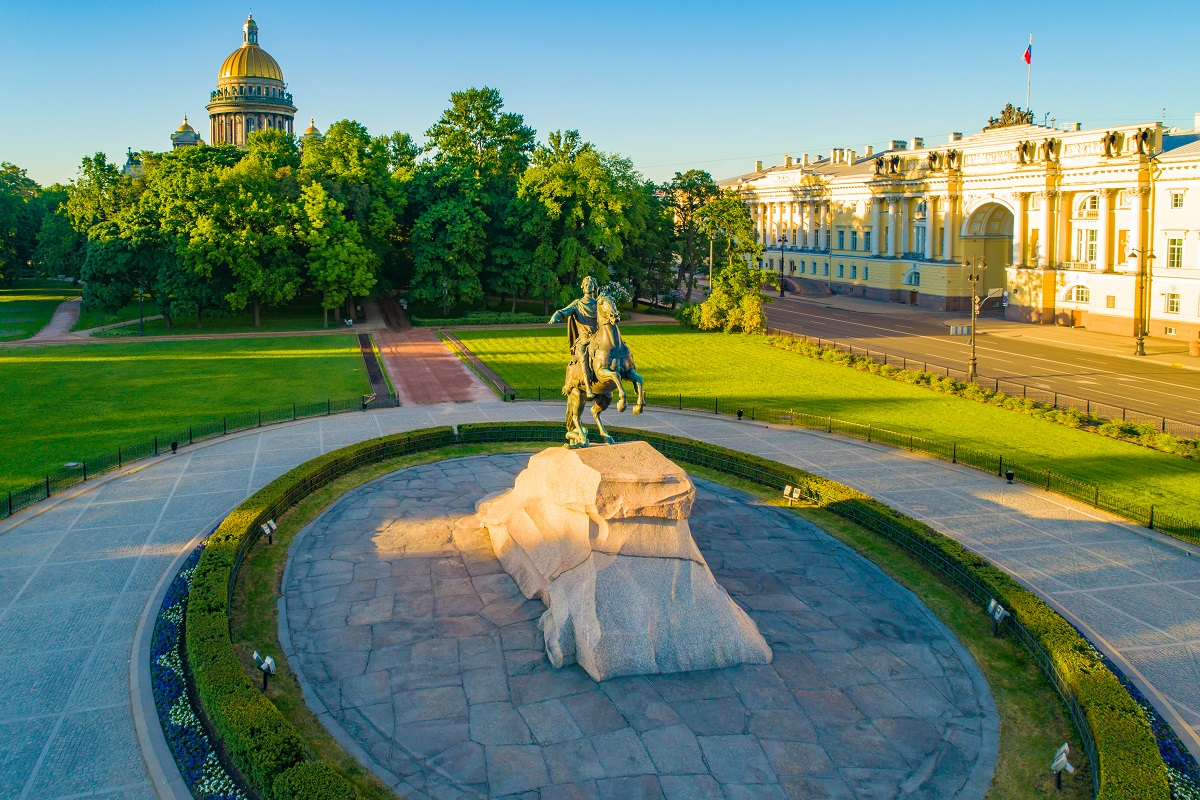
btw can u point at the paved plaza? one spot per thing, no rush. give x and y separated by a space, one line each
76 574
416 642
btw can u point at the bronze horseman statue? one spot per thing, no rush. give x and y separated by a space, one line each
600 361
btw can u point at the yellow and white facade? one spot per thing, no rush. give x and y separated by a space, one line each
1097 228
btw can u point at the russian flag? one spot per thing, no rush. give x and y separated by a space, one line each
1028 57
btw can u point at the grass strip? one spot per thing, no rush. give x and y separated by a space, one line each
747 371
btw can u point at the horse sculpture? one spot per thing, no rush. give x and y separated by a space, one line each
612 365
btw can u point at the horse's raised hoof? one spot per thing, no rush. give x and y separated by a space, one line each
609 440
621 405
637 409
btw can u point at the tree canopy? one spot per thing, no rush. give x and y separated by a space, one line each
481 210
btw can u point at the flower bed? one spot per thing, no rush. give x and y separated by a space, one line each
193 752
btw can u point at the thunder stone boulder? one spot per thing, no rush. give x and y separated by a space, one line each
601 536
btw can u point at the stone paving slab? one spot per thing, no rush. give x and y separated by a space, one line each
406 629
1166 667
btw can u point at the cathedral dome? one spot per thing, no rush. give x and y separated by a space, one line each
250 60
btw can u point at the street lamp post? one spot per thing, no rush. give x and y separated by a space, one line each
1141 313
783 240
141 317
976 266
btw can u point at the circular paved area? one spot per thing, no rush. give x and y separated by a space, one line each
420 648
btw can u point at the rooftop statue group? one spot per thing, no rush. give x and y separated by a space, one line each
600 362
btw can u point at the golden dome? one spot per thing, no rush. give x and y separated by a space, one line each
185 128
311 130
250 61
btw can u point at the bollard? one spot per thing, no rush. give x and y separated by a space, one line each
189 434
118 456
155 445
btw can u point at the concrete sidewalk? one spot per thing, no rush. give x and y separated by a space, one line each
77 573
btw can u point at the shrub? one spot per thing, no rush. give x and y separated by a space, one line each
313 781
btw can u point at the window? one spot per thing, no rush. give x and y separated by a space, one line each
1176 199
771 264
1090 207
1169 330
1110 301
792 265
1081 294
1172 302
853 240
854 271
841 270
866 273
919 240
841 240
867 241
1085 245
1174 253
825 271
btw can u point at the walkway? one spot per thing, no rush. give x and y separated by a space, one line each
425 371
59 326
76 578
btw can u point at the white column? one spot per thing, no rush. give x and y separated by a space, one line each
893 241
948 223
1020 226
1062 227
1045 240
823 212
1136 231
905 224
876 228
929 227
1104 258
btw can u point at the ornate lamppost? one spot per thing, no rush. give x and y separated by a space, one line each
783 240
976 266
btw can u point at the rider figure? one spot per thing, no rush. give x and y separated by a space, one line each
585 313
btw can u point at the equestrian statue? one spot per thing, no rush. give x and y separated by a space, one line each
600 361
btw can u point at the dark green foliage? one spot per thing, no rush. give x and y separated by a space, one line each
313 781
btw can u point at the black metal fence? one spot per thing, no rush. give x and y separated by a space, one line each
1187 529
1096 408
76 472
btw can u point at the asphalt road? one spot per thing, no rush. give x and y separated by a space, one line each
1008 352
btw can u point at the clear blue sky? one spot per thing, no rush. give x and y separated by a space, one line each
670 84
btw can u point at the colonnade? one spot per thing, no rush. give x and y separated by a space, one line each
1055 219
809 224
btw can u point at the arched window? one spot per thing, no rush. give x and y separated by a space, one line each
1089 207
912 278
1078 294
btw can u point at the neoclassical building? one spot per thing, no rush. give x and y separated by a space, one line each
250 95
1097 228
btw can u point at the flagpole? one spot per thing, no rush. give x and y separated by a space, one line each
1028 74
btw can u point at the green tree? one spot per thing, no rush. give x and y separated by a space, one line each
20 218
583 211
689 192
338 265
726 221
449 238
735 304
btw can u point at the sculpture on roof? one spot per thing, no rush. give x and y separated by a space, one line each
1010 115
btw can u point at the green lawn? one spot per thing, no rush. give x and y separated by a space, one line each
66 403
25 309
94 318
301 314
748 371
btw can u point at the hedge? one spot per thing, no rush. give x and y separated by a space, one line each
1128 764
481 318
260 744
268 752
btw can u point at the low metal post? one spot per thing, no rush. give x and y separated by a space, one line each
1150 523
189 434
1096 497
293 412
539 394
328 406
954 452
681 402
831 424
155 445
868 433
84 469
1056 399
47 486
10 504
224 425
716 406
260 418
910 446
1047 480
1000 468
119 457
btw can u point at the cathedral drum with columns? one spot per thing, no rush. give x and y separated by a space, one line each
251 94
